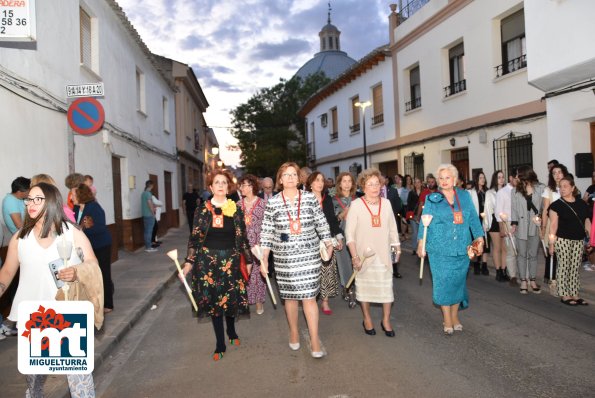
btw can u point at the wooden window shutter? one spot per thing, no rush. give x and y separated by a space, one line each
377 100
85 37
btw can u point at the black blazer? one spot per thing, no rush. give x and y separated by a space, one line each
329 213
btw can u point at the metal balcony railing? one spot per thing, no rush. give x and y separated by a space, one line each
355 128
413 104
378 119
454 88
511 66
334 135
407 10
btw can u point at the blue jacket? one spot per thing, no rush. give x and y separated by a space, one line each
98 234
444 236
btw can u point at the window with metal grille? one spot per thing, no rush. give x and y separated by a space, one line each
456 64
514 49
414 165
85 38
355 115
334 125
512 151
414 90
377 104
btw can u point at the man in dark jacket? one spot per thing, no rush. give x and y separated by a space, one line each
392 195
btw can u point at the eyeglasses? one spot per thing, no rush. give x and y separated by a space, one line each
373 184
292 175
246 184
36 200
271 187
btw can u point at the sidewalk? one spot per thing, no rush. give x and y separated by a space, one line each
587 278
139 280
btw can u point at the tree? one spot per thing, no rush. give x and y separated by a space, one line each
268 128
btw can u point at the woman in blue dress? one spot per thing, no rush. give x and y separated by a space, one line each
455 224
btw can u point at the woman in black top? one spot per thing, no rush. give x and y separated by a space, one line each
412 205
481 187
217 240
329 276
569 222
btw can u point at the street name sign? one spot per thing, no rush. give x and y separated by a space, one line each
85 90
85 115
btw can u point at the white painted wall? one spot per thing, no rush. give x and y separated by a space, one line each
36 138
341 99
478 25
560 46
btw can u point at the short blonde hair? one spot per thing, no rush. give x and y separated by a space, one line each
450 168
365 175
36 179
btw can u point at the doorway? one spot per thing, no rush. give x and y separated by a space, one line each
460 159
117 185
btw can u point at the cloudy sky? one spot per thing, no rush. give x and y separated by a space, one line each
239 47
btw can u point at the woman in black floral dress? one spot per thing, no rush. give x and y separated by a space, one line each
218 237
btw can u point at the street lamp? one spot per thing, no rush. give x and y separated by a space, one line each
363 106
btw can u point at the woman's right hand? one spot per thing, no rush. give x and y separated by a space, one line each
264 268
356 263
421 253
187 268
551 249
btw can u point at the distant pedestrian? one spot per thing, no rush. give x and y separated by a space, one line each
13 207
158 212
490 224
148 210
503 216
72 181
454 226
91 217
214 247
89 182
190 199
411 214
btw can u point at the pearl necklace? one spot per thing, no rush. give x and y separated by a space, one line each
370 202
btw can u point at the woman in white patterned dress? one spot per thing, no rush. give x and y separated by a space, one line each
292 227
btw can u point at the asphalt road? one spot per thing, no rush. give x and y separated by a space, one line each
512 345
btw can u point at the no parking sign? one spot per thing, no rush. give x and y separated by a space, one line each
86 116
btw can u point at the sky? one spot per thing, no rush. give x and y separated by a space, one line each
239 47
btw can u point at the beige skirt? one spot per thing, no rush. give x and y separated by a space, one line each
374 283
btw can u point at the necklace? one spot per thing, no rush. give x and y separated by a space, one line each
295 226
248 214
375 217
370 202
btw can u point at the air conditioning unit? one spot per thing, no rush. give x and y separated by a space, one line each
324 119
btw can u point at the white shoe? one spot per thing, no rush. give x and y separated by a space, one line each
151 250
260 311
294 346
317 354
458 327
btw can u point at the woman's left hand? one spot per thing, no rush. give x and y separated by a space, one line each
67 274
339 244
329 250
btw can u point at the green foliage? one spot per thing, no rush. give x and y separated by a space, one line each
268 128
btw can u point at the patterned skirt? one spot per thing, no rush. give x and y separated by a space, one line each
297 269
217 283
570 256
256 285
329 278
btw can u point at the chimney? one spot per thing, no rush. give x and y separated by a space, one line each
392 23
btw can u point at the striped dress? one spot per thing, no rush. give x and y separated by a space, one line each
297 257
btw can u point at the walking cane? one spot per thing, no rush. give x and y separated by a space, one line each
257 251
173 254
426 219
552 239
367 254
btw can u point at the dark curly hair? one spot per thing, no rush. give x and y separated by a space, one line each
84 194
221 172
250 179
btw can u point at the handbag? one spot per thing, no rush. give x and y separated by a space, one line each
244 268
323 253
475 249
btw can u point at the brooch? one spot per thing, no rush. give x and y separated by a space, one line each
435 197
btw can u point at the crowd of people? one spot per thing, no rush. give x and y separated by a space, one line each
319 240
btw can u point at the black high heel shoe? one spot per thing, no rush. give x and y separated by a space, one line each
388 333
371 332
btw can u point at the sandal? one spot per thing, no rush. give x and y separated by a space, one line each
571 302
537 288
523 289
581 301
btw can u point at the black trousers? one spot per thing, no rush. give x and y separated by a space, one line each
219 332
104 257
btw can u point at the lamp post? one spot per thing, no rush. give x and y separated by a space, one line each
363 106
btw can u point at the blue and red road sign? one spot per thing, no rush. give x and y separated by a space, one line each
86 116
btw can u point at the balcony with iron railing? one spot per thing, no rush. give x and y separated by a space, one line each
511 66
406 11
334 136
355 128
377 119
413 104
455 88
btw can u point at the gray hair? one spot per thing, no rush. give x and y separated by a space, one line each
450 168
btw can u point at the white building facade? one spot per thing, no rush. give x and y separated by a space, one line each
335 125
561 63
88 42
460 68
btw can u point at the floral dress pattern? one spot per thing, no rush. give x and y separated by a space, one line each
256 284
217 283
